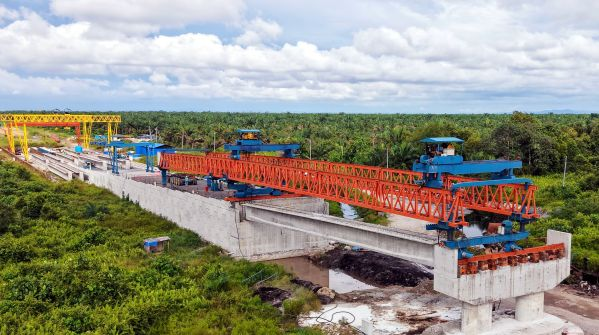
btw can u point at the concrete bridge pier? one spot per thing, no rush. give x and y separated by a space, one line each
526 282
530 307
476 318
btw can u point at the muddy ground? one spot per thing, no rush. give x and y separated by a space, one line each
374 268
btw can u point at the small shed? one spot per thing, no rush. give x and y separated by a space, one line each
156 244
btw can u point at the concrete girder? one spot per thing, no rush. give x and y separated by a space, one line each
394 242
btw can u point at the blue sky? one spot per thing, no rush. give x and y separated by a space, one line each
372 56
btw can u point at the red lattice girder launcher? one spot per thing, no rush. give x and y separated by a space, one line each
392 197
501 199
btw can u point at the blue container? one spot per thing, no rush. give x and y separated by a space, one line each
79 149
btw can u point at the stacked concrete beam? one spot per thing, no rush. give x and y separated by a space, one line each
60 171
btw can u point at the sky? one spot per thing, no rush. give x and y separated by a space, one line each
369 56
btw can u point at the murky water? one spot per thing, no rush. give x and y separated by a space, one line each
304 269
349 212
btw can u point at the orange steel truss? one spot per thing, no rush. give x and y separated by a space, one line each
391 197
500 199
386 190
492 261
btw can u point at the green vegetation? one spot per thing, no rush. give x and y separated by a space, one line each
542 142
368 215
71 262
41 137
573 208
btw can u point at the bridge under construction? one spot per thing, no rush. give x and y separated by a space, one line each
275 207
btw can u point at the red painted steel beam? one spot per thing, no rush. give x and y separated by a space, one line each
499 199
392 197
399 196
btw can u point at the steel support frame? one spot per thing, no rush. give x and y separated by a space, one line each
498 199
12 121
392 197
386 190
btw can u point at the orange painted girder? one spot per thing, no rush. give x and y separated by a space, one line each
499 199
391 197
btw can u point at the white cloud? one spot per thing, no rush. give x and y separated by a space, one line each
144 16
7 15
12 84
259 31
461 49
159 79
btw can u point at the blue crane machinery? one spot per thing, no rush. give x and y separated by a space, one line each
115 155
250 141
441 159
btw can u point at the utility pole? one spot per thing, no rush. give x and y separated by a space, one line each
565 167
214 142
310 142
387 157
342 153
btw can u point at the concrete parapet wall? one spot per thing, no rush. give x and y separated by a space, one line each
216 221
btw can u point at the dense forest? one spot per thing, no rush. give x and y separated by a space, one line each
72 262
541 141
544 143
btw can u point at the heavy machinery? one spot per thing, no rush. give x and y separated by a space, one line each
440 162
13 122
440 189
150 149
250 141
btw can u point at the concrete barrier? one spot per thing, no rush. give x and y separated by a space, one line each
216 221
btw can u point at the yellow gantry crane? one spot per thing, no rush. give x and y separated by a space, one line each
13 122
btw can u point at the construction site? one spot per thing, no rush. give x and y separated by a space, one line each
260 202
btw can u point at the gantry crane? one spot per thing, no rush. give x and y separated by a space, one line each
12 122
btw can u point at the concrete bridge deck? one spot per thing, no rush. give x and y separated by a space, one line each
395 242
261 230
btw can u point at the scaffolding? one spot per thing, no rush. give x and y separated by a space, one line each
83 122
